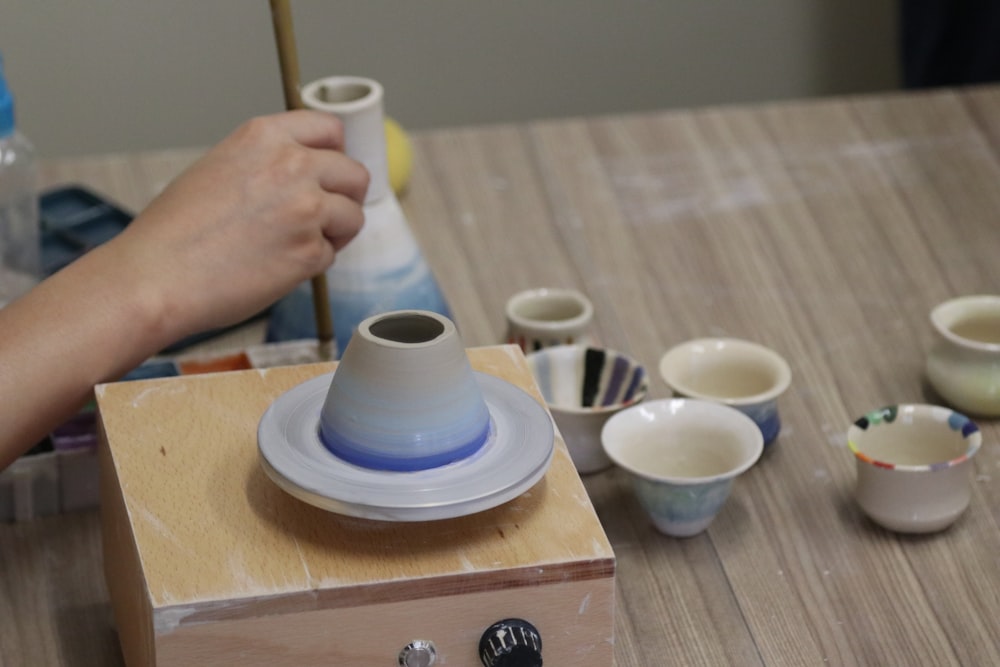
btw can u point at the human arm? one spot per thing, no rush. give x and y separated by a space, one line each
260 212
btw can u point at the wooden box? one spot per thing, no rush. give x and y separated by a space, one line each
209 563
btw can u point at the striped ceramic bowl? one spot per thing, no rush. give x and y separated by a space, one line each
583 386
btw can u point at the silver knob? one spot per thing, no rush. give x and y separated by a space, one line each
418 653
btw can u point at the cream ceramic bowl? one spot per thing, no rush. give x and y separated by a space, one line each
738 373
682 456
913 465
963 366
583 387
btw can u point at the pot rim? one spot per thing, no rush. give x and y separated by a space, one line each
639 393
959 423
583 318
675 355
668 408
314 94
944 316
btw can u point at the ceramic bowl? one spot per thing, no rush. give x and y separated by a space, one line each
404 396
734 372
682 456
913 466
963 365
582 387
548 316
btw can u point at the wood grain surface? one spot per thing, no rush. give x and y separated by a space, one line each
825 229
204 553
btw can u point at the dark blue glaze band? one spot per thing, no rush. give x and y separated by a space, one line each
770 428
359 456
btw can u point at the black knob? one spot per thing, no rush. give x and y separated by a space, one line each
512 642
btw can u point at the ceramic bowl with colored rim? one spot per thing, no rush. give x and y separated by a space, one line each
913 464
738 373
682 456
582 387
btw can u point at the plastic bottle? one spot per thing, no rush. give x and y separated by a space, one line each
20 248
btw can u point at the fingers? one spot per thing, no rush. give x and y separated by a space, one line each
342 220
314 129
337 173
340 174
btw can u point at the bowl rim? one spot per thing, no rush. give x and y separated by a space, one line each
682 350
943 316
642 390
887 415
746 424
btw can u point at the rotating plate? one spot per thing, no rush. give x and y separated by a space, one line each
516 455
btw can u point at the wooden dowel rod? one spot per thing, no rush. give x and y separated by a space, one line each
288 61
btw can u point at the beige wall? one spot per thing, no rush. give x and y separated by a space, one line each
110 75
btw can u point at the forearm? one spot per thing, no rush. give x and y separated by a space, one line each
262 211
90 323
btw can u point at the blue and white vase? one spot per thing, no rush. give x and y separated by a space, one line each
382 269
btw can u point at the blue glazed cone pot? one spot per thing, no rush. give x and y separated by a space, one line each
404 396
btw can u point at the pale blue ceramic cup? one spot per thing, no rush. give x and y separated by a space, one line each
682 456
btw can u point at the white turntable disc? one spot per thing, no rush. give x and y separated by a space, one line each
516 455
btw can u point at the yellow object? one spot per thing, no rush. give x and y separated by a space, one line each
400 156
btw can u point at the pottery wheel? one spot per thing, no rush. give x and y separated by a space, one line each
515 456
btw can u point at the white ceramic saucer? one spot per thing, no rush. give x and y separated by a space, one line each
516 455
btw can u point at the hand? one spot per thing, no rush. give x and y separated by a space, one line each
265 209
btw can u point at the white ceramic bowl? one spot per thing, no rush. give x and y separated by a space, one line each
682 456
738 373
404 396
582 387
963 366
913 466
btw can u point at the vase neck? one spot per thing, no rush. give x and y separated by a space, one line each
357 101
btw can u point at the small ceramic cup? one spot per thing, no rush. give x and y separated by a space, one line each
682 456
548 316
963 365
583 386
913 466
404 396
734 372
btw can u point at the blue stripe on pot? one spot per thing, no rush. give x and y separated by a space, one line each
638 381
619 369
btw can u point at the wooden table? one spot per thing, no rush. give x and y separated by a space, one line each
824 229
